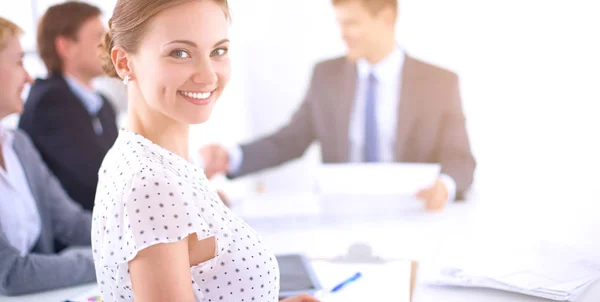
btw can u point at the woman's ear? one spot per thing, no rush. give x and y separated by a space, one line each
120 60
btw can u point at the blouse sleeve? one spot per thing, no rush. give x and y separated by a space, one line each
157 207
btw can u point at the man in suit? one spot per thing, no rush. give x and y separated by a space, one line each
376 104
34 209
71 125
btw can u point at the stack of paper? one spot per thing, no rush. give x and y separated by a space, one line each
549 271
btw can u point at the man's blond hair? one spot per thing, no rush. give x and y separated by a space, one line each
8 29
374 6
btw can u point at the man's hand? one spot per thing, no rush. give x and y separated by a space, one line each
301 298
216 159
435 197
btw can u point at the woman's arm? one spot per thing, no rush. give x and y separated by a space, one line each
161 272
38 272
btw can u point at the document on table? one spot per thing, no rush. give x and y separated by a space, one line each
269 205
375 179
388 281
546 270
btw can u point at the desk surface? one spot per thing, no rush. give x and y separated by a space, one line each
399 232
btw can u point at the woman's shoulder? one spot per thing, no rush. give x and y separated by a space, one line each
132 154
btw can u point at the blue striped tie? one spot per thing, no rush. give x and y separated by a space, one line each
371 152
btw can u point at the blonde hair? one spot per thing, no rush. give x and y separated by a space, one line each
129 23
8 29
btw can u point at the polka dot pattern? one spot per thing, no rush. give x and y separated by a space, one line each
147 195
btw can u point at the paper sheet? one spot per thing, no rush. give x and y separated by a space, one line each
379 282
547 270
376 179
270 205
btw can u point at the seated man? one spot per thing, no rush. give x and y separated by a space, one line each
71 125
34 209
376 104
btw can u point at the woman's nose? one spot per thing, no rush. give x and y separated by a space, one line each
205 74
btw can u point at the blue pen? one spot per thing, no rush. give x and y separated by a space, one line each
346 282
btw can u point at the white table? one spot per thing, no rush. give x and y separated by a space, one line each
52 296
408 232
400 232
383 277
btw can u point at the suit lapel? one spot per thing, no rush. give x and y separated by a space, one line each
347 89
409 88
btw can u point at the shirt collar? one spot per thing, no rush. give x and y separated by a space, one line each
90 99
6 136
386 70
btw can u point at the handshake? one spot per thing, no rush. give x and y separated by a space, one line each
216 159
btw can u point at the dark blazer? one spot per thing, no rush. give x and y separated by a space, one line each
63 221
431 123
62 130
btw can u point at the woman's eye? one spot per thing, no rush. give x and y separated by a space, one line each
219 52
179 53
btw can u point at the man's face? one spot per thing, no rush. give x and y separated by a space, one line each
361 28
83 51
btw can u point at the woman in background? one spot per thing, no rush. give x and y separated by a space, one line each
35 210
160 232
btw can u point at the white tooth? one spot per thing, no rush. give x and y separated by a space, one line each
197 95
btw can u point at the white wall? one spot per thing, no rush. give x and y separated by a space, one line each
529 77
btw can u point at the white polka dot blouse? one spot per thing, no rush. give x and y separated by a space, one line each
147 195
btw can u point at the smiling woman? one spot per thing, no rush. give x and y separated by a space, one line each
160 231
13 77
191 67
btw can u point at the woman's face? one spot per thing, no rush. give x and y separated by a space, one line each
13 77
182 65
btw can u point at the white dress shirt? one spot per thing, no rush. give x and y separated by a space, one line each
388 73
19 216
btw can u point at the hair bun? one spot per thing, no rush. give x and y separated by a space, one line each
105 50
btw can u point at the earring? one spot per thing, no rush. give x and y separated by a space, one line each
126 80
